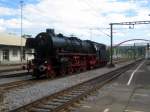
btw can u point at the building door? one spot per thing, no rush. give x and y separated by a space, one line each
5 55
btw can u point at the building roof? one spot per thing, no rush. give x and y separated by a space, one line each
11 39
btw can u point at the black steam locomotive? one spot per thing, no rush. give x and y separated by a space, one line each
60 55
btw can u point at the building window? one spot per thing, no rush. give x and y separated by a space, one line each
15 52
6 55
29 52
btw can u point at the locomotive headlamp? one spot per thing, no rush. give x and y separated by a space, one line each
45 62
42 68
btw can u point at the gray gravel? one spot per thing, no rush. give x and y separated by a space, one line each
15 98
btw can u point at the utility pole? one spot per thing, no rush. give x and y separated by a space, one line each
148 46
21 52
148 51
134 52
111 46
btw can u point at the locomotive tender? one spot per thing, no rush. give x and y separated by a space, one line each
59 55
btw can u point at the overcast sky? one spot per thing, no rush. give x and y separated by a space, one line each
86 19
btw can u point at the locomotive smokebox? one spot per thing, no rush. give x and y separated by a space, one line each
50 32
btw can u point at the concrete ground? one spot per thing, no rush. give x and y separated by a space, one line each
128 93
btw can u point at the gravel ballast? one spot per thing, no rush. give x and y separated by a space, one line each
15 98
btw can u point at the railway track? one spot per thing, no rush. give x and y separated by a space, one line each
21 83
8 68
60 101
11 74
121 61
16 84
8 73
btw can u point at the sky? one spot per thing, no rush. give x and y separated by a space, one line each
86 19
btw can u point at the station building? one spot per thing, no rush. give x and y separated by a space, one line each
147 56
11 47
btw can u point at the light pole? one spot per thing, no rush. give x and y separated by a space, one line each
111 44
21 50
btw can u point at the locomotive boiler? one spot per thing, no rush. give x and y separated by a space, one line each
56 54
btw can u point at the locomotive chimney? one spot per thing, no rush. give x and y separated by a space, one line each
50 32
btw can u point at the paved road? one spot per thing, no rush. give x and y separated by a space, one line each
129 93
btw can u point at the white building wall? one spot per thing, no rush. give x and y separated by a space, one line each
13 57
29 55
147 55
1 55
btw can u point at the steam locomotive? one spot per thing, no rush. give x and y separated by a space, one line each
56 54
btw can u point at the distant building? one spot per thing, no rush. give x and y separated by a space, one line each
10 49
147 56
129 52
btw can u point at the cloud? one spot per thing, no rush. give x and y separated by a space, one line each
74 16
4 11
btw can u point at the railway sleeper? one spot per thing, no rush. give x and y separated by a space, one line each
53 103
61 97
82 89
69 96
49 106
44 106
78 92
61 100
52 106
35 109
75 93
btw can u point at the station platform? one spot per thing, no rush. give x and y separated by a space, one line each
120 95
10 74
11 71
10 67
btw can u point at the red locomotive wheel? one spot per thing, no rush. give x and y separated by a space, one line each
70 70
62 72
51 74
84 68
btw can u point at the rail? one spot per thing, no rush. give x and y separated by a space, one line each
62 100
